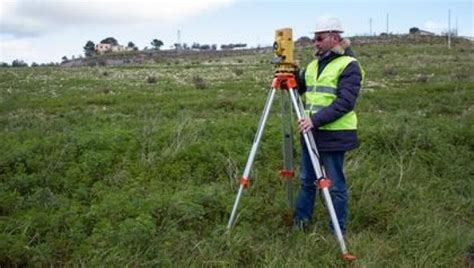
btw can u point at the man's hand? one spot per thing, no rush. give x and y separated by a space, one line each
305 124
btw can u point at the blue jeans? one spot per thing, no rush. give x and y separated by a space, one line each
333 163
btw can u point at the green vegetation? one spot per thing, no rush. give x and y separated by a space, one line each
139 165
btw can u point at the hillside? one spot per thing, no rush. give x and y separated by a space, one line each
162 56
138 165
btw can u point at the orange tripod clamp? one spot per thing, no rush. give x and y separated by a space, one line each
284 81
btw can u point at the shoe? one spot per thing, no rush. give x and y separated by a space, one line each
301 225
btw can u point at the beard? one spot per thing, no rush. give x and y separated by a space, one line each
319 53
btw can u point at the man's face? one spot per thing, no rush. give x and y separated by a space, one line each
323 42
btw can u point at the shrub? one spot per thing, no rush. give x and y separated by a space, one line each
104 90
422 78
238 72
199 82
460 75
389 70
151 79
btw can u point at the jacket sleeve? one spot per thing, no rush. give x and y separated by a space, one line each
347 91
300 81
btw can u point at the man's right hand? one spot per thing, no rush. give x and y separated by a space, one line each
305 124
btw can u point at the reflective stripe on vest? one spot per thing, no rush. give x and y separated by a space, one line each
312 109
321 91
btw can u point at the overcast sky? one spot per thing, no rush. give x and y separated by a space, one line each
46 30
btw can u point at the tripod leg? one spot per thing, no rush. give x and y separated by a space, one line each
308 137
245 177
312 142
287 135
323 182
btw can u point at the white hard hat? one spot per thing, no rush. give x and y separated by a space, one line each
328 25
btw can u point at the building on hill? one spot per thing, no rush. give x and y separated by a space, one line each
423 32
102 48
417 31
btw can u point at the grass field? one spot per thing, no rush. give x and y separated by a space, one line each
139 165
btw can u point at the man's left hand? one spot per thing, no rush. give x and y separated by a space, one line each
305 124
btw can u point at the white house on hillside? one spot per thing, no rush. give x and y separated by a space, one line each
101 48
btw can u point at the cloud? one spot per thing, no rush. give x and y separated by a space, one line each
21 18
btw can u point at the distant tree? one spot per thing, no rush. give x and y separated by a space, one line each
64 58
34 64
177 46
19 63
214 47
110 40
185 46
414 30
4 64
304 41
89 49
204 47
195 46
132 46
156 44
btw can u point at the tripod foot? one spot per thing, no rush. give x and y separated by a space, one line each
348 257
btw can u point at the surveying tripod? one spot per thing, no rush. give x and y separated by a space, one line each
285 81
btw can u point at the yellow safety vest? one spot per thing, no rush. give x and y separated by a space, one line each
321 91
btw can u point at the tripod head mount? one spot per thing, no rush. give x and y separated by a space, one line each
283 48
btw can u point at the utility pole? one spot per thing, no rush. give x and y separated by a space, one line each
387 23
456 27
178 42
370 25
449 28
179 38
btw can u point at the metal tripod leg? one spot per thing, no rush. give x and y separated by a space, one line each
287 138
313 153
245 177
311 140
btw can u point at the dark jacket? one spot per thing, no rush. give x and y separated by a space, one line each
347 91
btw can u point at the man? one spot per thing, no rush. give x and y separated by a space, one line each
329 87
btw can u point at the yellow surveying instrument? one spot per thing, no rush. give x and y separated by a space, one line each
283 48
285 81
